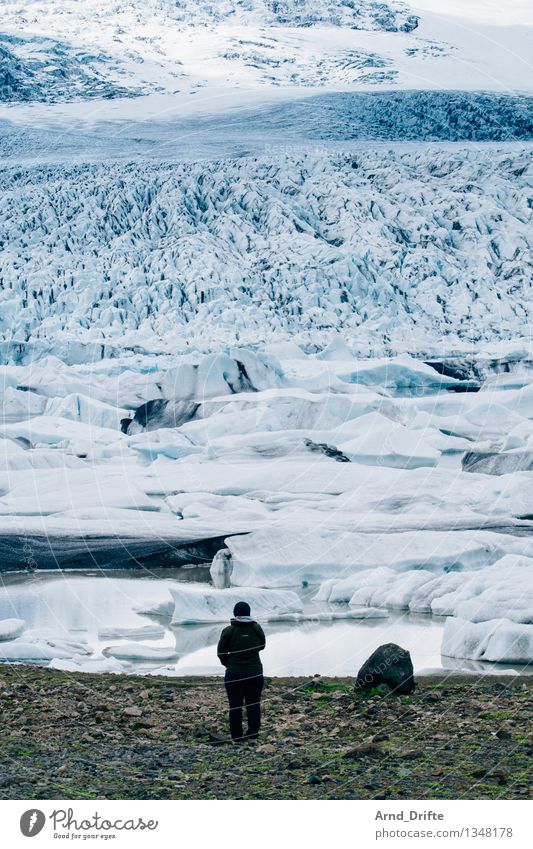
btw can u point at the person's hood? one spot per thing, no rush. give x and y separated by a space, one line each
236 620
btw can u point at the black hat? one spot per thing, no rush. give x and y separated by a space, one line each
242 608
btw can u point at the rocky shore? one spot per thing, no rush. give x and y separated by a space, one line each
76 736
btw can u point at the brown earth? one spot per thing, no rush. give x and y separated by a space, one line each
79 736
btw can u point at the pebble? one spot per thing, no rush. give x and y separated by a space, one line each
132 711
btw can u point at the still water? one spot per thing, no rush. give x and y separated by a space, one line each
80 605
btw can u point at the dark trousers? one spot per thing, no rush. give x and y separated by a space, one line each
243 688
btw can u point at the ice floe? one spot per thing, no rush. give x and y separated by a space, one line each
329 615
143 632
138 651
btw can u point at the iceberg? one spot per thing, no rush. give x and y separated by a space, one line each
290 556
35 645
220 374
196 604
503 588
496 640
138 651
11 628
96 665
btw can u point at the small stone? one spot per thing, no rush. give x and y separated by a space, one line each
364 750
503 734
132 711
410 754
501 776
144 723
267 749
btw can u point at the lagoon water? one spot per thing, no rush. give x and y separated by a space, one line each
82 604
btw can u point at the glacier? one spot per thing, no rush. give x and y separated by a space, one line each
265 313
398 250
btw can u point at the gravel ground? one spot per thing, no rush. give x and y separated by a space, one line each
79 736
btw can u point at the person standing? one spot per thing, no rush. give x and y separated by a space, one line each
238 650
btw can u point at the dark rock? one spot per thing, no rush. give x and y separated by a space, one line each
160 413
460 370
409 754
327 450
503 734
364 750
380 738
390 665
105 552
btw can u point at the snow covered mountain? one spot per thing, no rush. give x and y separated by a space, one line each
41 69
245 49
160 43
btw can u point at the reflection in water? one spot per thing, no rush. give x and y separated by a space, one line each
81 605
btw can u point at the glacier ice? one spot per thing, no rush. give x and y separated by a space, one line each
330 615
286 248
496 640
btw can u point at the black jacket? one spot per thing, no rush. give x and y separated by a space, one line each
239 646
